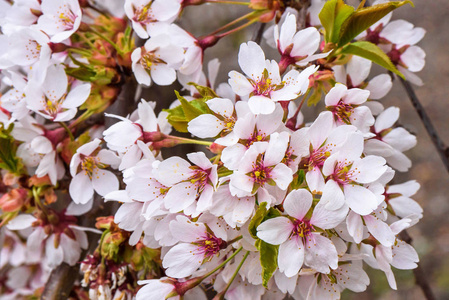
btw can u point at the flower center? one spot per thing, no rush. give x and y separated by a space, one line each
343 112
343 174
67 19
211 245
144 14
319 155
302 228
260 174
91 165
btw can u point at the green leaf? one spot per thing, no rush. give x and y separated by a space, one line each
193 108
298 179
205 92
8 159
268 260
364 17
180 116
332 16
260 214
370 51
315 97
81 73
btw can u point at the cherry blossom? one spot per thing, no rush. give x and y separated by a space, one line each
263 85
299 242
87 168
60 18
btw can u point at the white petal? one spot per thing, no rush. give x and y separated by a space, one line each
321 253
206 126
81 189
21 222
291 257
275 231
104 182
261 105
333 197
360 199
298 203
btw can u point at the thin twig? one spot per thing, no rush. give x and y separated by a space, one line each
420 275
441 148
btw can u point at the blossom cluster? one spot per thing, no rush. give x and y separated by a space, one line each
272 206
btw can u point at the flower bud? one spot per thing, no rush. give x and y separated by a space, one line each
13 200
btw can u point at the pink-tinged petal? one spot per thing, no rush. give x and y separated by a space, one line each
154 289
407 189
320 253
261 105
221 106
55 255
41 145
108 157
173 170
65 115
78 209
320 129
291 257
240 84
205 199
244 127
384 257
335 94
358 69
165 9
163 74
141 74
81 189
288 30
353 277
379 86
315 180
267 124
386 119
187 231
206 126
232 155
55 84
298 203
242 183
276 148
303 78
88 148
251 59
275 231
355 227
400 139
327 219
356 96
368 169
404 206
333 197
104 182
399 161
21 222
362 118
182 260
282 175
180 196
353 147
284 283
200 159
380 230
77 96
404 256
377 147
360 199
306 42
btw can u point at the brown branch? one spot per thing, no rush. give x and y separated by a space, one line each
443 151
418 272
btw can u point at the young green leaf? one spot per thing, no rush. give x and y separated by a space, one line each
364 17
205 92
268 260
332 16
372 52
193 108
260 214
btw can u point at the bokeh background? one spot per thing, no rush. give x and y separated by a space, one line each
431 234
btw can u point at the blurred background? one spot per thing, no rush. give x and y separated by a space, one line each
431 234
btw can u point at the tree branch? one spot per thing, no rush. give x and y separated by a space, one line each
443 151
420 275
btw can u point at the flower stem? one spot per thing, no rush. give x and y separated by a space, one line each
69 132
181 140
80 119
237 28
223 263
232 23
221 295
117 48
